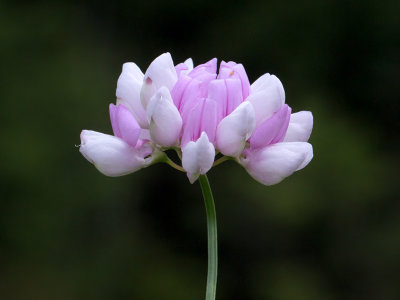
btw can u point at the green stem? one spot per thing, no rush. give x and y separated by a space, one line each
162 157
212 238
221 160
174 165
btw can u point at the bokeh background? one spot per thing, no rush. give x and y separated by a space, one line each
330 231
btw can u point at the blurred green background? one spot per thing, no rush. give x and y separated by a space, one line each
330 231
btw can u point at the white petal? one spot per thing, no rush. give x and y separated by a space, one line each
148 90
128 92
165 119
189 63
235 129
132 70
161 72
272 164
110 154
301 147
300 127
267 96
198 157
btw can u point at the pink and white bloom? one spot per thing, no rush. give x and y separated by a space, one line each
164 119
198 157
199 113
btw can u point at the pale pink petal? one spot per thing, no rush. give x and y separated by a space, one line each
234 130
300 147
189 63
272 164
164 118
300 127
124 124
188 90
209 67
110 155
209 119
147 91
128 92
226 70
113 119
161 72
205 78
234 70
271 130
217 91
202 118
267 96
184 68
191 128
227 93
179 89
282 132
198 157
190 98
266 81
181 69
234 91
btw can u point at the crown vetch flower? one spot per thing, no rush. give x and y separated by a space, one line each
200 113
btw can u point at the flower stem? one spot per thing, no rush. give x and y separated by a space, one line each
174 165
221 160
212 238
165 159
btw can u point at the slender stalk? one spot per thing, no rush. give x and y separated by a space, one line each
221 160
212 238
174 165
160 156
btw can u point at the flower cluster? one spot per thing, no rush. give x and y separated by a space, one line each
200 113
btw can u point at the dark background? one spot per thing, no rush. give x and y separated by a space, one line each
330 231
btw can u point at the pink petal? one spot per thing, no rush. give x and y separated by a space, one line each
111 155
234 70
282 132
217 91
227 93
124 124
181 67
300 127
272 164
210 67
190 98
209 119
179 89
272 130
113 118
234 90
191 126
128 92
202 118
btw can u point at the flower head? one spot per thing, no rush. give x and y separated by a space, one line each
199 113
